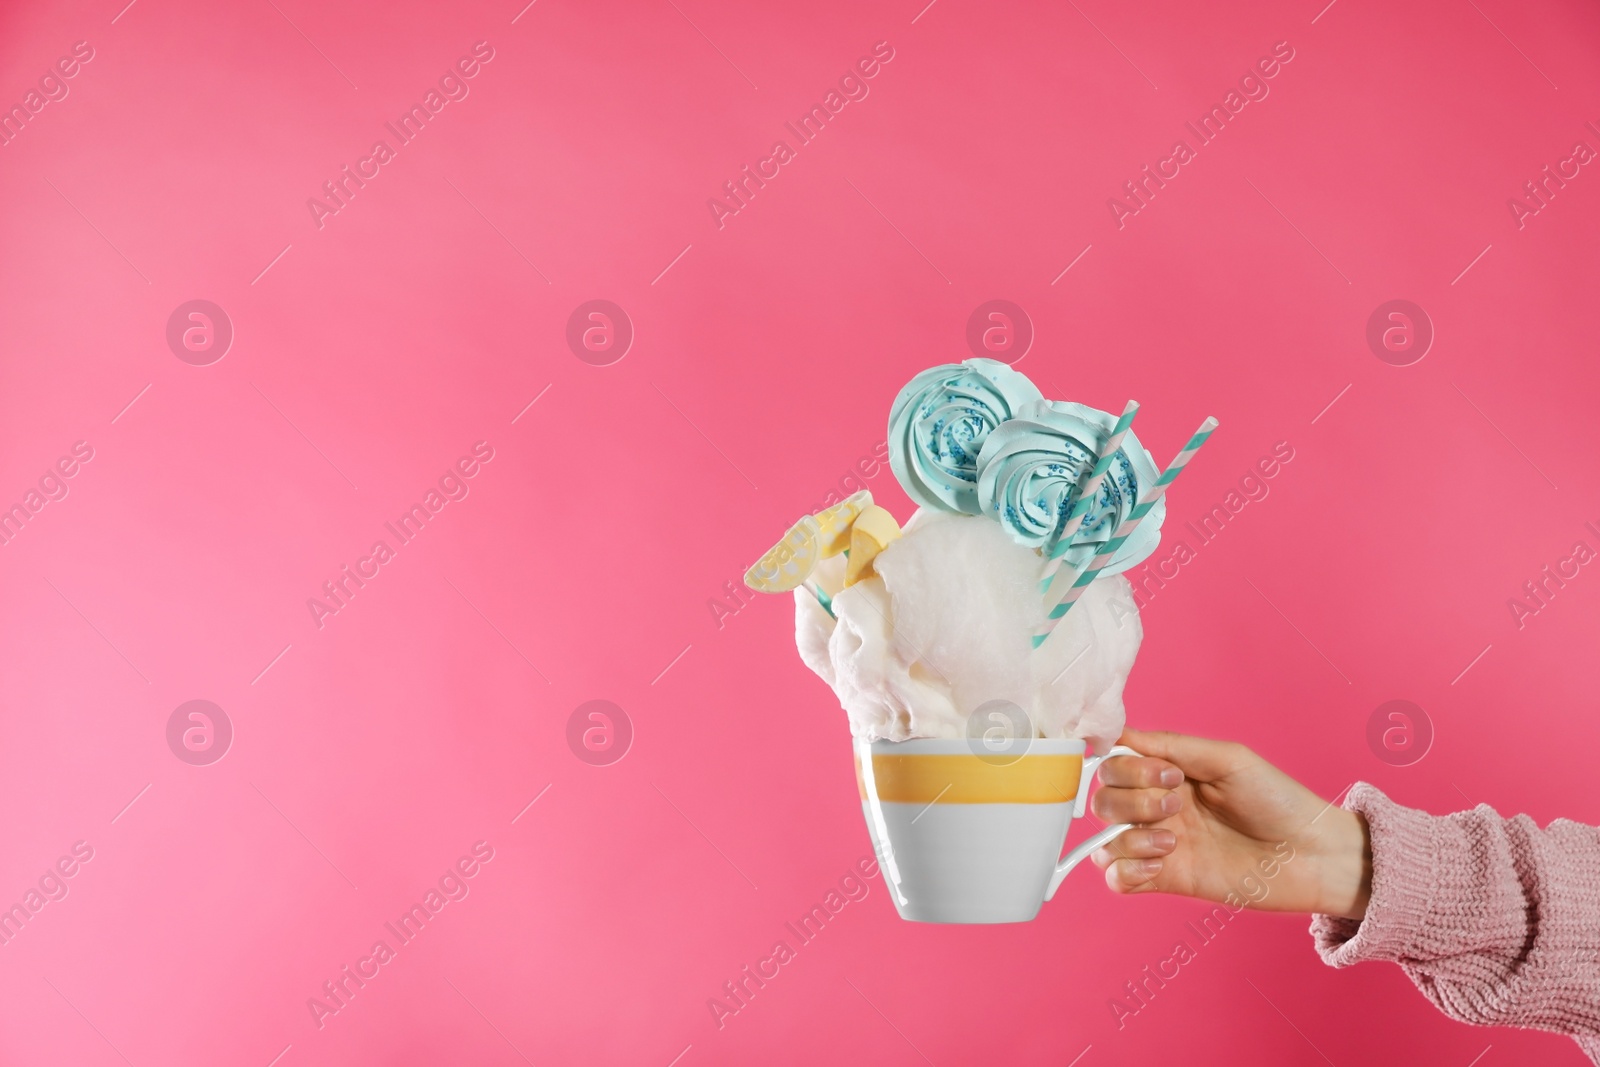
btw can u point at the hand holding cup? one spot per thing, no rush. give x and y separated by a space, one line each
1212 818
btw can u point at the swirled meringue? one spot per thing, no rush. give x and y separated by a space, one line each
938 425
1029 470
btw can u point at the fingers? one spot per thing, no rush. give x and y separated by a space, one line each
1199 758
1132 861
1139 844
1133 876
1134 772
1136 805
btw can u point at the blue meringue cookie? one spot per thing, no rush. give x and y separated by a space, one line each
1029 471
939 423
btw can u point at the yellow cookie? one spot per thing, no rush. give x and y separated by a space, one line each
789 562
873 529
835 522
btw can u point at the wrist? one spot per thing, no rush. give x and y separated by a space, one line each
1344 852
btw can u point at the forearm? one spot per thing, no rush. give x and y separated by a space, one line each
1497 921
1343 859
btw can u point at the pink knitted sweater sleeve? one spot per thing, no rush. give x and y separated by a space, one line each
1495 920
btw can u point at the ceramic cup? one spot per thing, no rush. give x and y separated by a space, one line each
966 837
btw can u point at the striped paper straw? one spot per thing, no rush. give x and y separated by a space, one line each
1088 494
1124 531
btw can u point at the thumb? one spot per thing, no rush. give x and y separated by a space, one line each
1199 758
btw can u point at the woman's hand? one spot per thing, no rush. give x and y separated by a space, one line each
1214 820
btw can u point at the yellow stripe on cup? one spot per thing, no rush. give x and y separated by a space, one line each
965 779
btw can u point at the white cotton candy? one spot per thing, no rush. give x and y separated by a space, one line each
946 625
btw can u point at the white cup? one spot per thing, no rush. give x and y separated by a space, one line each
964 837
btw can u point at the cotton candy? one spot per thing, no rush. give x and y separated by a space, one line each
944 626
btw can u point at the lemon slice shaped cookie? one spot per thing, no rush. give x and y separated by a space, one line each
835 522
873 529
790 562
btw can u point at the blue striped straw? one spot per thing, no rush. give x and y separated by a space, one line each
1088 494
1124 531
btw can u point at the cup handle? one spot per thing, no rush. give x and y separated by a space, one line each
1091 767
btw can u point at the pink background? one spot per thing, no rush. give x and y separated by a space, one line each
371 353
